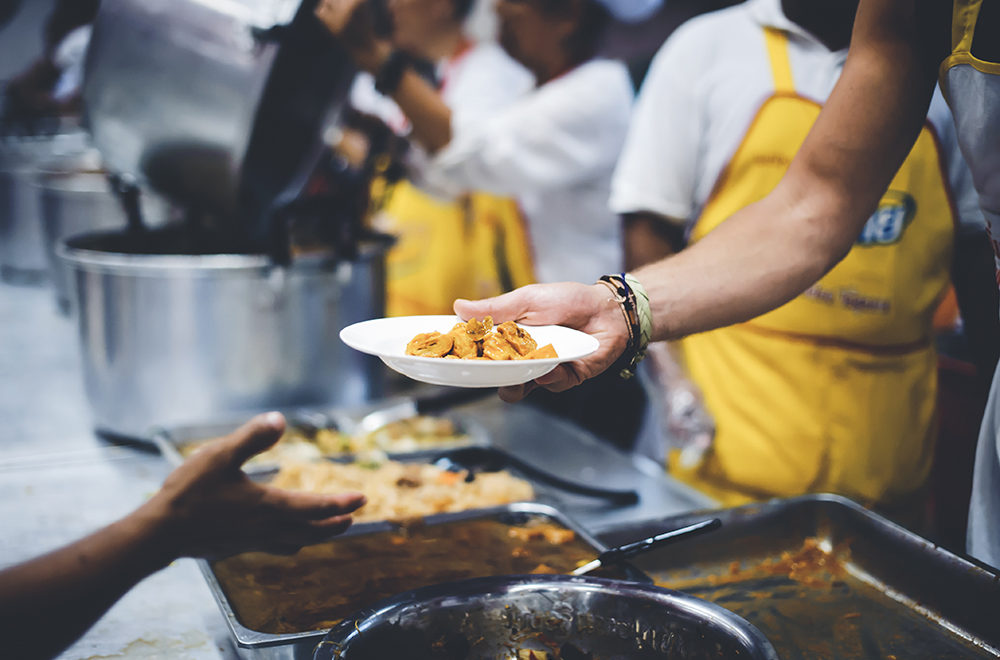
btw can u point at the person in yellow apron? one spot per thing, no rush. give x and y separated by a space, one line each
446 249
767 253
470 248
834 391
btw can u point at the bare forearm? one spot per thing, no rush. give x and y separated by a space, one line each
760 258
771 251
419 101
426 110
46 603
649 237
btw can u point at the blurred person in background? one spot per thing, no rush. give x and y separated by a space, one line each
836 390
767 253
553 149
475 244
207 508
51 86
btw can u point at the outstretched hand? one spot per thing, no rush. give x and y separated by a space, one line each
208 507
588 308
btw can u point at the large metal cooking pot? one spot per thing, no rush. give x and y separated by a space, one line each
76 197
22 246
496 617
217 105
174 334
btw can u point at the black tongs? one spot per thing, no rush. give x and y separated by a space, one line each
623 552
491 459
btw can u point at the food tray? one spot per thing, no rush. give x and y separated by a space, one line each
257 645
881 592
171 440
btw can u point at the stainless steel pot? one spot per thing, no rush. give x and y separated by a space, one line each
22 246
497 617
76 198
172 338
218 105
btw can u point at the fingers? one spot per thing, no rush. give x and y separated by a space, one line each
507 307
254 437
515 393
293 539
311 506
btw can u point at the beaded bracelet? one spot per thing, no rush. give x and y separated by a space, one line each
634 302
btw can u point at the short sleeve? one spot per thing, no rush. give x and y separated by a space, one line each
657 169
564 133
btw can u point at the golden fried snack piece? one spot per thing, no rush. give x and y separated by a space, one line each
479 329
547 351
517 337
430 344
496 347
465 346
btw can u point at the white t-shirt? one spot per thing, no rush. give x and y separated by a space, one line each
554 150
476 82
700 96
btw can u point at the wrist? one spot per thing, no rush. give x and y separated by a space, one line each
374 58
149 528
614 323
633 303
391 72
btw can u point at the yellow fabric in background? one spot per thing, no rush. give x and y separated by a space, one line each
475 247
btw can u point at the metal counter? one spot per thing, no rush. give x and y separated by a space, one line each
59 482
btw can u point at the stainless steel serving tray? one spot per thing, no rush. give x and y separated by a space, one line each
887 594
256 645
171 440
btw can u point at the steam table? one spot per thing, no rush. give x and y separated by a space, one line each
59 482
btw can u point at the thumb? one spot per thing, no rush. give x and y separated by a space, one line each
506 307
255 436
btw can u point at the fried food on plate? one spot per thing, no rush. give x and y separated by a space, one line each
479 340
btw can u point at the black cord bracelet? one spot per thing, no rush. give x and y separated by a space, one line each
391 72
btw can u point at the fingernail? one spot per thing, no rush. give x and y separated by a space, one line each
274 419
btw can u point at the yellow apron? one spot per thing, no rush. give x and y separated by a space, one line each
834 391
475 247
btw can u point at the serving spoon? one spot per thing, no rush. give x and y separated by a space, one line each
628 550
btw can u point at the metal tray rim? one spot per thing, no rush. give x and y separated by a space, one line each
253 639
167 439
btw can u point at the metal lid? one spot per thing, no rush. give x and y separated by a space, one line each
217 105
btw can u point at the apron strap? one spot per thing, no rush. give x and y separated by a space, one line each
963 23
777 53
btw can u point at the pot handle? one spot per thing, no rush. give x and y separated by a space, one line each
269 35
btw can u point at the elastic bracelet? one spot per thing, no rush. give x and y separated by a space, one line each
390 74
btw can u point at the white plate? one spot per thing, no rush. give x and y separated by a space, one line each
387 338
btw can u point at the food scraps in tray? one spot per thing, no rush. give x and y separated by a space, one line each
401 491
480 340
323 583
